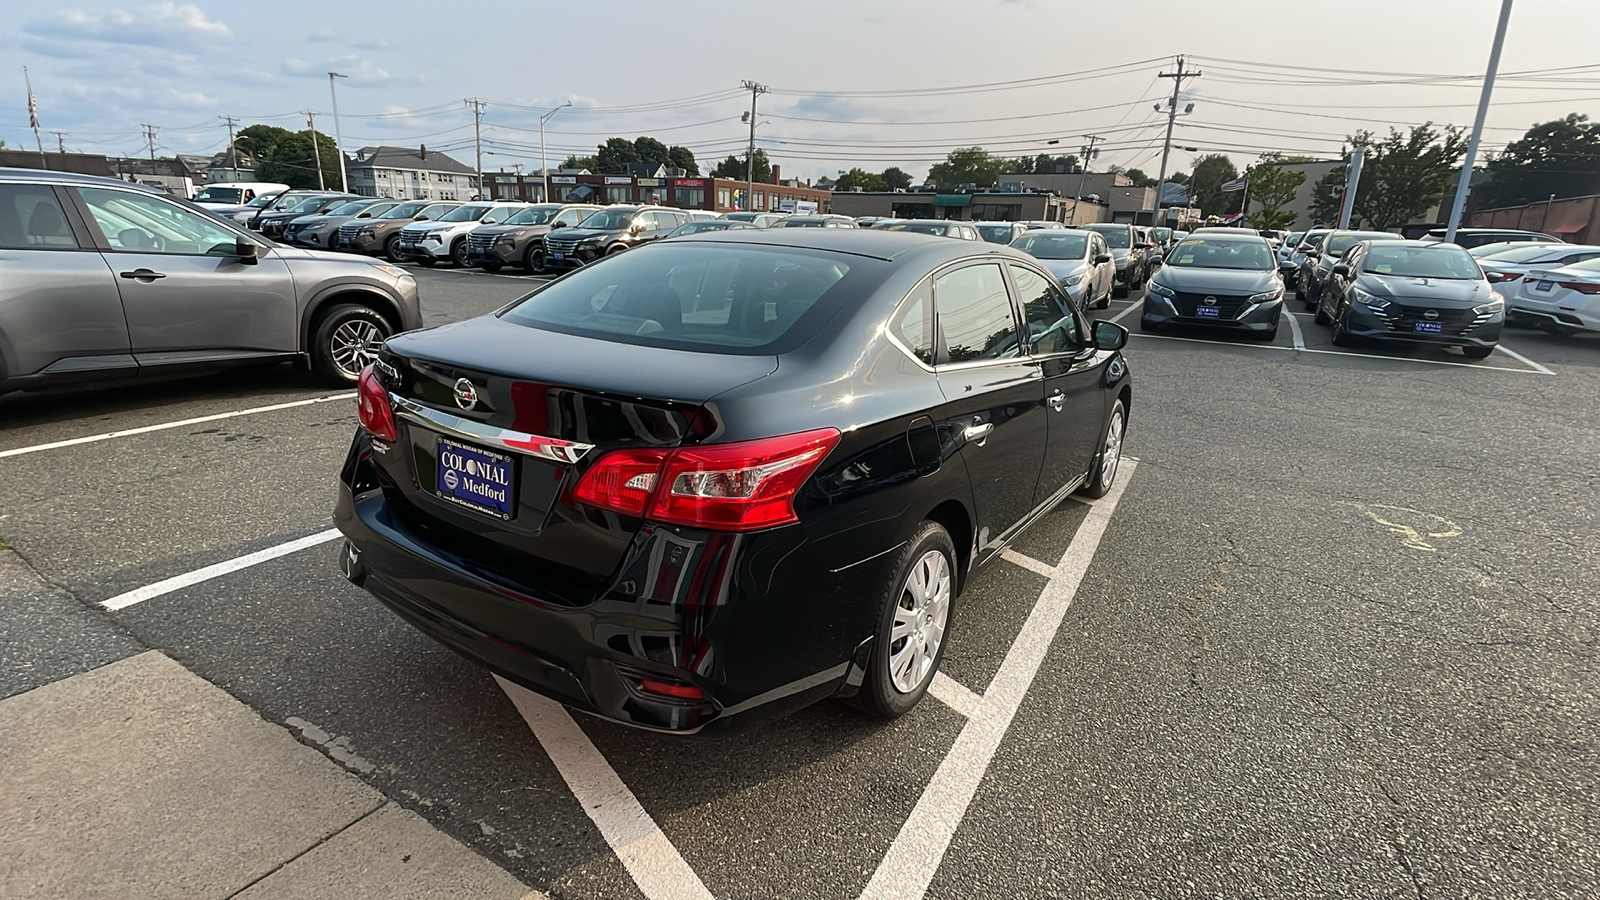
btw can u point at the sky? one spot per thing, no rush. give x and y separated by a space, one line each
868 83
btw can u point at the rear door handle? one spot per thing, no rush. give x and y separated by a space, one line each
977 432
143 275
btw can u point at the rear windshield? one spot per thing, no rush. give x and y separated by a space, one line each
310 204
219 195
997 234
1437 261
719 298
1053 244
1343 242
1117 237
1201 253
1527 254
920 228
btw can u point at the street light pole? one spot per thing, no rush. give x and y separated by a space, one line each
1166 147
1083 173
544 164
1465 182
338 137
316 150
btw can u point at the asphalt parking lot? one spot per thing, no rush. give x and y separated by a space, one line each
1333 636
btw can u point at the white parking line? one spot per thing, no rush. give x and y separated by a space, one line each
1027 562
1536 370
656 866
181 423
954 694
1168 337
909 866
179 582
1524 360
1131 307
1294 330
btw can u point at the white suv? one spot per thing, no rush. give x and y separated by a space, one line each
445 239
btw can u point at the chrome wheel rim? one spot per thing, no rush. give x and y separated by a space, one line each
1111 456
354 346
920 615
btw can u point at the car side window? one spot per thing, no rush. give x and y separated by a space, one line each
974 314
912 324
135 223
1052 328
31 218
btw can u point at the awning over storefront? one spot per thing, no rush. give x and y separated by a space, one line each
952 199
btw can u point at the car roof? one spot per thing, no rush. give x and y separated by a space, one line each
46 175
1227 234
868 242
1422 244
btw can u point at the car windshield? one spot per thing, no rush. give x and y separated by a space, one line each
261 201
1436 261
797 222
741 216
1205 253
350 209
1163 234
465 214
404 211
698 227
310 204
219 195
1315 239
688 295
1523 254
1342 242
1053 244
571 216
996 234
534 215
609 219
1117 238
1293 238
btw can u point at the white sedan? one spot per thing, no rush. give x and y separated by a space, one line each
1563 300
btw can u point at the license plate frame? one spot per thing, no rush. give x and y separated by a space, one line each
1544 287
1427 328
458 466
1208 312
557 254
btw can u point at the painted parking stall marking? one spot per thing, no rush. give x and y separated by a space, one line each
189 579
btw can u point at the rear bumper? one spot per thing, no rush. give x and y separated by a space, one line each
1585 316
727 627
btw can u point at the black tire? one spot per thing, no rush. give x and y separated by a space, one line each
878 695
1341 337
1322 317
1299 294
1267 336
1476 352
1102 479
331 360
533 260
492 265
1146 325
1119 290
391 249
426 261
1105 302
458 254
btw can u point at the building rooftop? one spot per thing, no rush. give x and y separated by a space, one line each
409 158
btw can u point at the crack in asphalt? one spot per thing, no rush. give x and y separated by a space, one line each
1391 823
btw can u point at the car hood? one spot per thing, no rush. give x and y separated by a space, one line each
583 234
1120 256
425 227
1215 281
1448 292
291 254
1064 268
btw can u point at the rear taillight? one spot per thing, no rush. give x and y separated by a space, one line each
725 487
372 407
1582 287
1509 277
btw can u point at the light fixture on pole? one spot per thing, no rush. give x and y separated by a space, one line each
544 165
338 138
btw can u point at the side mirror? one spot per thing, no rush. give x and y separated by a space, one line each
249 252
489 221
1313 254
1102 258
422 218
1495 277
556 225
1341 270
1109 336
1155 259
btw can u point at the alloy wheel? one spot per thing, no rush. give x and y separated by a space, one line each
1111 454
355 345
920 616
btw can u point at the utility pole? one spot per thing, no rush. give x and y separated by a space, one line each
1352 182
477 106
338 137
1166 147
316 151
755 90
1465 182
233 155
544 164
61 144
150 136
1089 153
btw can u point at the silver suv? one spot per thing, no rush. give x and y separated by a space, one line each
103 279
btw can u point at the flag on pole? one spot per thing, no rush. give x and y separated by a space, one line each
1238 184
33 103
1234 219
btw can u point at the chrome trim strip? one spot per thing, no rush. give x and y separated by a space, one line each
534 445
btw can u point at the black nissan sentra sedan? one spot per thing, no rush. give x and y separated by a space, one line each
1414 292
720 477
1217 280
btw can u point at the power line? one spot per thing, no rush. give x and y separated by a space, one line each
1041 81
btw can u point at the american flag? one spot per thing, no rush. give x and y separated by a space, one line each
33 104
1235 185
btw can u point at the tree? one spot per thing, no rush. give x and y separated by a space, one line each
682 158
287 157
1402 176
734 167
860 178
1045 164
580 162
1560 157
967 165
1272 187
1178 178
1139 178
895 178
1206 180
256 139
649 150
614 156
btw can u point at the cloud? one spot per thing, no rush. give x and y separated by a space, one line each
156 25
